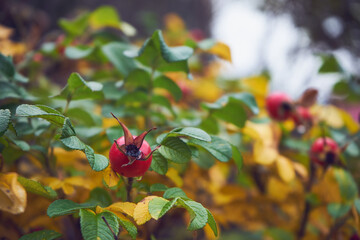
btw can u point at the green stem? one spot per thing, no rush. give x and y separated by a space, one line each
148 123
68 100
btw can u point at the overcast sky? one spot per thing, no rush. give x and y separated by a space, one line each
257 40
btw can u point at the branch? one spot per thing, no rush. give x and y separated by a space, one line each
307 207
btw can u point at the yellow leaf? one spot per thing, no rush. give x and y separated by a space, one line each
99 209
277 189
221 50
205 89
68 188
349 122
12 194
263 154
67 158
329 114
141 211
300 170
123 207
5 32
267 133
79 181
285 168
110 177
209 232
174 176
109 122
52 182
258 86
173 22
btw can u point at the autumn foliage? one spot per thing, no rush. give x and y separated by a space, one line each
228 160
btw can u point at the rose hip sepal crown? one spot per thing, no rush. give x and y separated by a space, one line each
131 156
325 151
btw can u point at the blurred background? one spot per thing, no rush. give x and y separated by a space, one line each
286 38
294 44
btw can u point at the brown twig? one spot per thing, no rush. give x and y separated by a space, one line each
1 162
337 225
112 231
128 188
307 205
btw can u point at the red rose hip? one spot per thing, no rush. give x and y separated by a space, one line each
324 151
279 106
131 156
119 160
302 116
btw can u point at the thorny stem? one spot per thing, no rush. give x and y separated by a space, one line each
129 185
307 207
112 231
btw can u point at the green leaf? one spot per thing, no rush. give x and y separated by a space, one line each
5 120
168 84
93 227
198 214
174 193
330 65
158 187
156 54
210 125
192 132
278 234
78 52
337 210
104 16
218 147
73 142
6 66
212 223
68 137
41 235
114 53
10 90
32 111
234 108
162 101
129 226
347 185
81 115
357 205
37 188
236 155
159 163
24 146
202 157
138 78
206 44
77 26
97 162
20 78
156 207
175 150
77 88
100 197
62 207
